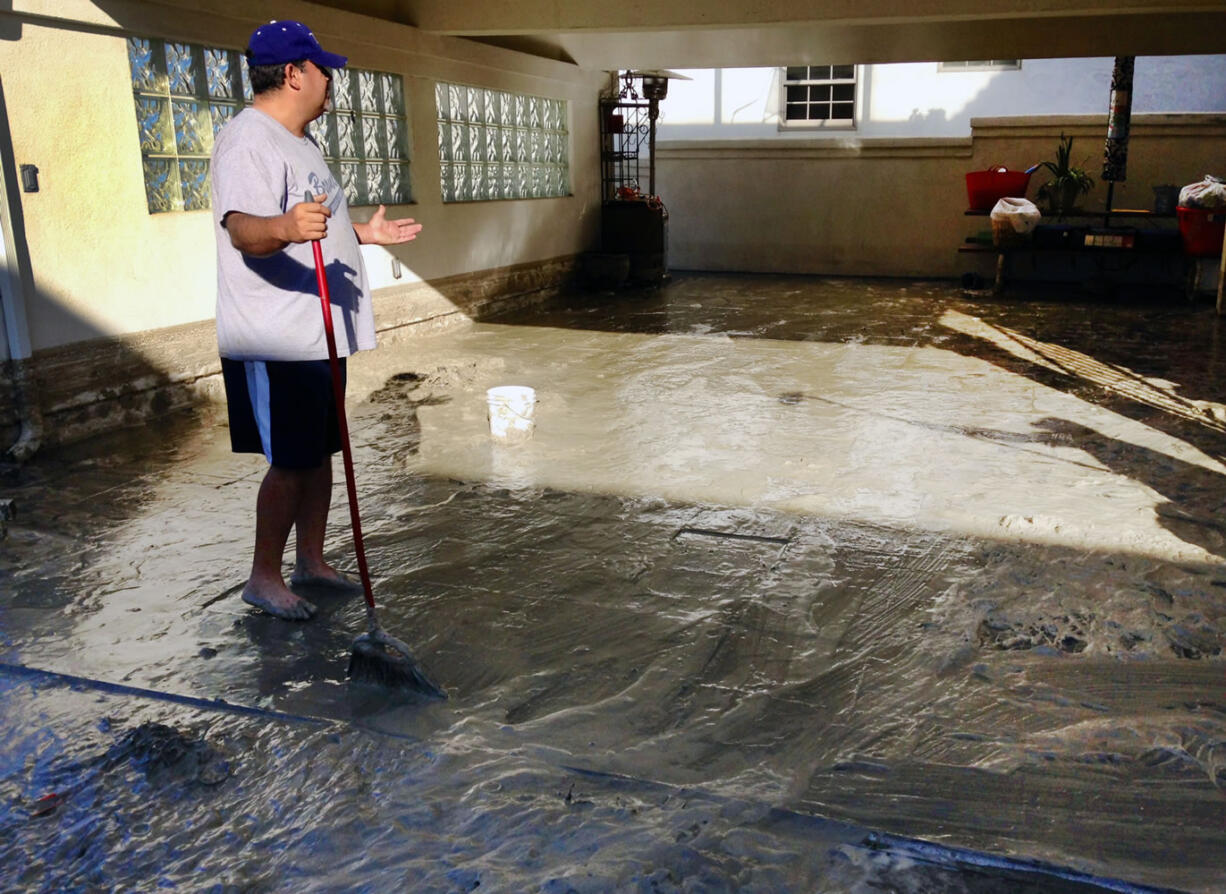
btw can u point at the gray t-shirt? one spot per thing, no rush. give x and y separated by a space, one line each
268 308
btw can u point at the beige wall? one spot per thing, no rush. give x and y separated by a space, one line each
103 266
891 207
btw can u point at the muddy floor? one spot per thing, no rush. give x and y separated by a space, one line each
799 585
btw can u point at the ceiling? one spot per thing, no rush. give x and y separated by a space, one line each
747 33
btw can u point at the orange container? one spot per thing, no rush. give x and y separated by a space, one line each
985 188
1202 230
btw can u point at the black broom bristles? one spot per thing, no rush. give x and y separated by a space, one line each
375 660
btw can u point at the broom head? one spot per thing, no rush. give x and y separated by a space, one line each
385 661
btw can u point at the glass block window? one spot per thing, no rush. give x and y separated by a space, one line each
184 93
496 145
365 136
981 65
820 95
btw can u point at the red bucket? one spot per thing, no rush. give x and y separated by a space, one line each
1202 230
985 188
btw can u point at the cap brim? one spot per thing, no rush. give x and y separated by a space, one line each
329 60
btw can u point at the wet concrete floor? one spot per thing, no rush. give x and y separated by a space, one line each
794 576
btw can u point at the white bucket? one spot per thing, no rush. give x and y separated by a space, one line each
510 412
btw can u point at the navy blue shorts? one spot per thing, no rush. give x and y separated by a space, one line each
283 409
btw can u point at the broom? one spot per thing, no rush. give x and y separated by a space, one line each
377 657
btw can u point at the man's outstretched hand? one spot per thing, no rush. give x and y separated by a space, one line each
381 231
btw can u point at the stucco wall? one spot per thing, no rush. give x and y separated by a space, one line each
103 266
891 207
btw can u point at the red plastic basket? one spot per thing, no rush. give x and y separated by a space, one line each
985 188
1202 230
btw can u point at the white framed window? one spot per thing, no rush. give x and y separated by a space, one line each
498 145
981 65
185 93
819 96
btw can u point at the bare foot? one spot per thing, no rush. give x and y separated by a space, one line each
324 577
279 602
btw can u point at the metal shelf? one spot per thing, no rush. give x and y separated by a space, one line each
624 130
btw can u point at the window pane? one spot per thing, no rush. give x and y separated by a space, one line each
796 94
351 182
447 177
797 111
844 92
374 143
394 136
819 72
179 69
324 130
797 73
506 144
154 126
398 184
819 93
222 113
162 185
145 74
193 128
376 181
844 72
393 94
346 136
342 89
818 111
368 91
843 111
219 73
194 183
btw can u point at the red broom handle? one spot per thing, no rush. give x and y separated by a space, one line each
338 393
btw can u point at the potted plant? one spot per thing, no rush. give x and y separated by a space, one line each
1067 183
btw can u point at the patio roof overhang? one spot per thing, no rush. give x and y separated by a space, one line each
734 33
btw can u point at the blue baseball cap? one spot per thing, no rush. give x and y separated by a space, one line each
279 42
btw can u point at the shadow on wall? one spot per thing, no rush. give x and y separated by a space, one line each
103 382
96 381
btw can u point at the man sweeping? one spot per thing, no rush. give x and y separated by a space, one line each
272 196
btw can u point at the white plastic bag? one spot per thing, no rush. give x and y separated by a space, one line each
1209 193
1021 214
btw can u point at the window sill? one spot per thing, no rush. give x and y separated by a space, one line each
817 127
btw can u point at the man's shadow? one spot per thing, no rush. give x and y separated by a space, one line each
1194 495
284 273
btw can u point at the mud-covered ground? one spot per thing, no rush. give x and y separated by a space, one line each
800 585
